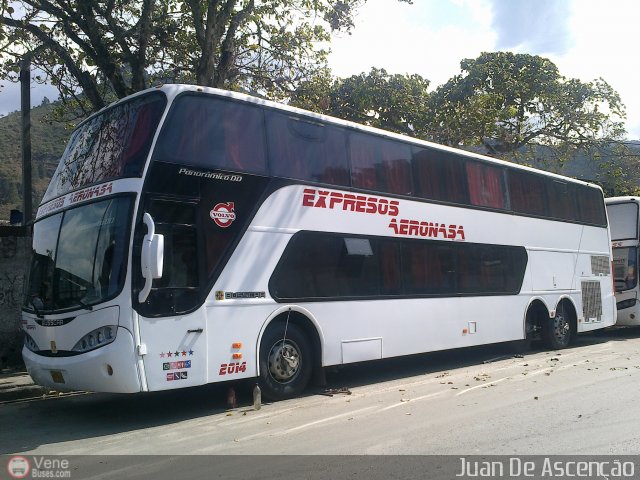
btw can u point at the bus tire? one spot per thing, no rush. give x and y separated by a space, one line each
557 332
284 374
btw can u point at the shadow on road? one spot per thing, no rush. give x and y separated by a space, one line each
25 426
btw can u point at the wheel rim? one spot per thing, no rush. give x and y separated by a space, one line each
561 328
284 360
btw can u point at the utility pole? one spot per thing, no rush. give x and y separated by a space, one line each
25 102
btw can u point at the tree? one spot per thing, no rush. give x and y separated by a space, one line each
505 101
379 99
95 51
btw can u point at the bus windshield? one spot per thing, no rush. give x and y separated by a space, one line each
79 256
113 144
625 265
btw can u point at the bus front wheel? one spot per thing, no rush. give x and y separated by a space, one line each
285 361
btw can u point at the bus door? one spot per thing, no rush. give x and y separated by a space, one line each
172 327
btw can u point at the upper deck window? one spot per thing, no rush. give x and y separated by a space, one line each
380 164
110 145
307 150
209 132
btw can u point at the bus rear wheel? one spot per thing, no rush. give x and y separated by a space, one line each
286 362
557 332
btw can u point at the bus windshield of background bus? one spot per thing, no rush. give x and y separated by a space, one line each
79 256
625 268
113 144
623 220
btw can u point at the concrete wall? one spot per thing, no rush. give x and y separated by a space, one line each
15 250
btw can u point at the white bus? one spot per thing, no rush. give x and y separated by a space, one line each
193 235
623 221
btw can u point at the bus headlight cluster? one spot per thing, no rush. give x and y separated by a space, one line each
96 338
30 343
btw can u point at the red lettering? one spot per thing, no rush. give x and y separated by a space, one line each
335 199
461 232
360 204
393 208
394 224
308 197
349 202
322 197
372 205
413 227
404 227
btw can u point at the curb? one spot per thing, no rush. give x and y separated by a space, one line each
18 385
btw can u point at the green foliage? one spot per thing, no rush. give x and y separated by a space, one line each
105 49
377 98
48 140
505 101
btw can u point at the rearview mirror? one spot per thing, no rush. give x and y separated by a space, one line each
151 258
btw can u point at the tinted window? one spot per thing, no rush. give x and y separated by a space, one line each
110 145
561 198
322 266
440 176
177 290
307 150
485 185
210 132
527 193
380 164
591 205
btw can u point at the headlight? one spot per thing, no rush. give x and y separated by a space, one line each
30 343
97 338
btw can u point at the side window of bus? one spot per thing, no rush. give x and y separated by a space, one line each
440 175
327 265
486 186
177 290
213 133
591 206
320 265
561 198
380 164
306 150
527 193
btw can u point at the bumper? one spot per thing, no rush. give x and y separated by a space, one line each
112 368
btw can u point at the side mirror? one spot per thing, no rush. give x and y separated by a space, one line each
151 258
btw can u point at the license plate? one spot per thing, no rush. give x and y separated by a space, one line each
56 376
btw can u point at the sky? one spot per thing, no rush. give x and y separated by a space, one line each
586 39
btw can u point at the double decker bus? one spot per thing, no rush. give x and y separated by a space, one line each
623 220
192 235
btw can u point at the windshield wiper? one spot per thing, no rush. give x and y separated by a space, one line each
85 305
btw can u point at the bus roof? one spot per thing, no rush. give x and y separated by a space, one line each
173 90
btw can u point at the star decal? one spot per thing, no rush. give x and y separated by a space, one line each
190 352
169 354
184 354
176 353
162 355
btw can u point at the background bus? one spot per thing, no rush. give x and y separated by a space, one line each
623 220
192 235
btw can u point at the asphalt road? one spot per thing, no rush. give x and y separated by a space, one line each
480 401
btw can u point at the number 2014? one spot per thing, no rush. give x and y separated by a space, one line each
230 368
